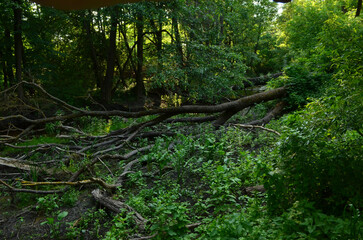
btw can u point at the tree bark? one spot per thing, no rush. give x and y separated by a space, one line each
359 8
18 45
178 40
238 105
5 84
106 88
158 30
8 59
92 50
122 29
140 88
276 111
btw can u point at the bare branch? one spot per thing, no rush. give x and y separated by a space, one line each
254 126
77 183
13 189
276 111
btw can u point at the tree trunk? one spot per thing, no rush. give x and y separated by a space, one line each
178 40
121 70
5 85
106 88
8 59
140 88
159 42
123 31
92 50
18 44
259 32
158 36
359 8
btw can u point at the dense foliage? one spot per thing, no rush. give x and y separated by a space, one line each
196 49
320 153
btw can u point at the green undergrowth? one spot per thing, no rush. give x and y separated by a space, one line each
201 177
42 139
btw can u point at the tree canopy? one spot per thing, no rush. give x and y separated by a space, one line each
82 4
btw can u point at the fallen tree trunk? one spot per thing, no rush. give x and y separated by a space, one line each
99 149
226 111
116 206
276 111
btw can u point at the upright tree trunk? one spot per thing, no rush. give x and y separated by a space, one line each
178 40
18 44
359 8
140 88
5 84
122 29
92 50
259 32
159 38
7 66
106 88
158 32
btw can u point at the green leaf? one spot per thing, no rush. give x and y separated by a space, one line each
62 215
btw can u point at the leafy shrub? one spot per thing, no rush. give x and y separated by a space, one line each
301 221
89 225
302 83
209 76
170 217
317 164
319 158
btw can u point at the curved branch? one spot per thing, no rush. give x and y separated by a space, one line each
260 127
276 111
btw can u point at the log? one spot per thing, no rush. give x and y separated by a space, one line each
116 206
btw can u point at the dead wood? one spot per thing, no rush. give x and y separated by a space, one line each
76 183
145 238
127 155
101 149
276 111
77 112
43 146
27 166
116 206
192 119
259 127
15 163
126 171
13 189
255 189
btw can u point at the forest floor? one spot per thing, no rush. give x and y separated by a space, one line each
19 222
188 172
184 163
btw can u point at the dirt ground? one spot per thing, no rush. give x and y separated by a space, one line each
28 223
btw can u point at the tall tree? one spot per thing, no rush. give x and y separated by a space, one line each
18 44
106 87
140 87
92 50
7 59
